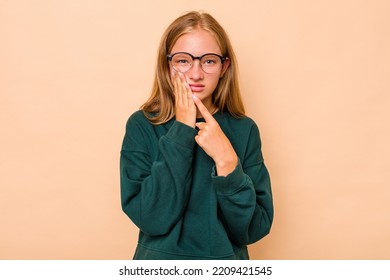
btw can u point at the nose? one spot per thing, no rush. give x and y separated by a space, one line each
196 72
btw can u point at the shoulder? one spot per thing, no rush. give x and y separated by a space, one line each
138 119
241 123
140 125
138 129
137 116
243 129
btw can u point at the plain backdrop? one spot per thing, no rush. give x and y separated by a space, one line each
314 76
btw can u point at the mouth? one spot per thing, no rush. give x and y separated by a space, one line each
197 87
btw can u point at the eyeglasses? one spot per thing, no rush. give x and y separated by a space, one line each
209 62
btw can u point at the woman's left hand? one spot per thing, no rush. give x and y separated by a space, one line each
214 142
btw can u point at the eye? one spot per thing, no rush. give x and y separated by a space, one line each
210 60
181 61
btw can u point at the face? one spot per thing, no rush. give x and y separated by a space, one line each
198 43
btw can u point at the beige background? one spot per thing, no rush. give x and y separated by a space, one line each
315 77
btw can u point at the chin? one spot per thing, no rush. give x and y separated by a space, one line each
206 99
201 95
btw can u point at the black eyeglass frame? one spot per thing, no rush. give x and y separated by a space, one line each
223 58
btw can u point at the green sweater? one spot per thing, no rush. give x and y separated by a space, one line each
170 190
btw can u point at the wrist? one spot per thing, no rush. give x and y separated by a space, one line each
188 122
226 165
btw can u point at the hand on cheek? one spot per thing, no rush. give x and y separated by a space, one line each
185 109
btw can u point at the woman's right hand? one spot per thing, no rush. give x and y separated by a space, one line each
185 108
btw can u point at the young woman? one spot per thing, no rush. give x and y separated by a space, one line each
192 173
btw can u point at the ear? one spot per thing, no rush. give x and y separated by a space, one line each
225 66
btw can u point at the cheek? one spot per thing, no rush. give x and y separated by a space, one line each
170 71
213 81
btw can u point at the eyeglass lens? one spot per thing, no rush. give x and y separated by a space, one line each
209 63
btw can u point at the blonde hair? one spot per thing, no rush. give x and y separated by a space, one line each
159 108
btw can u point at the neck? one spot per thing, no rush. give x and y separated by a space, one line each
212 110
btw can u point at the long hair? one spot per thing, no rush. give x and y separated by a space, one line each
159 108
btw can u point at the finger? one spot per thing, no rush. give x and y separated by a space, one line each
182 90
181 77
175 81
178 83
176 87
200 125
197 139
179 91
183 82
202 109
174 77
186 89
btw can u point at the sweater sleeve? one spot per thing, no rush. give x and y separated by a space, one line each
154 192
245 197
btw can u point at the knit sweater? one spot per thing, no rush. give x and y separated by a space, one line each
183 209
